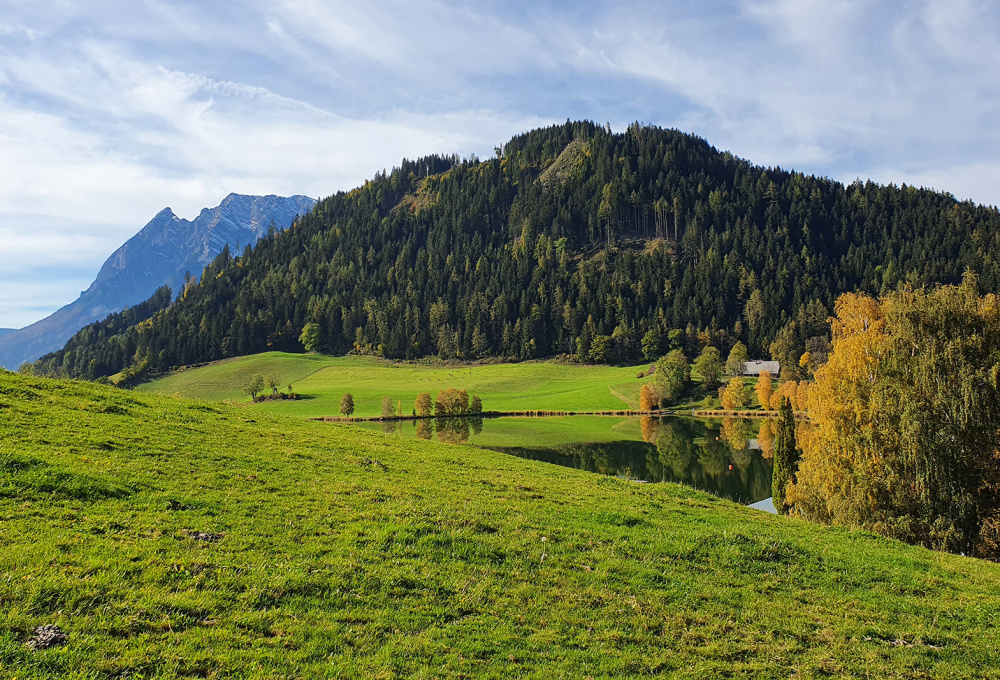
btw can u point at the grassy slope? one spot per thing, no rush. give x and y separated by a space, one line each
323 380
345 553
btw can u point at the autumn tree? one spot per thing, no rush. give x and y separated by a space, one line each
451 402
764 390
735 397
786 390
905 420
347 404
423 405
648 399
737 359
786 456
709 367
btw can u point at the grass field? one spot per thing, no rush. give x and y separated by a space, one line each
323 380
327 551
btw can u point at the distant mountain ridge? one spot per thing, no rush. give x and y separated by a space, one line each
162 253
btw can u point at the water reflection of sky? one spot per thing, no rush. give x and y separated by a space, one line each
730 458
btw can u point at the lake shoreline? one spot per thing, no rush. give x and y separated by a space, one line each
624 413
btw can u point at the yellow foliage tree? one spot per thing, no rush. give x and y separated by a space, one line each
789 389
802 396
906 420
735 395
764 389
648 399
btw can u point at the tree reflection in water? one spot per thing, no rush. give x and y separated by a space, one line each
723 458
449 430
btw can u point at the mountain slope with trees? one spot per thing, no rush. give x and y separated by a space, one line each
571 240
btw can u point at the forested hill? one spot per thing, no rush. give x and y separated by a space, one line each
571 240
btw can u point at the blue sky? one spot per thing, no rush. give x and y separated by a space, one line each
111 111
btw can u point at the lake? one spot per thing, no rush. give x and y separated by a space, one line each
730 457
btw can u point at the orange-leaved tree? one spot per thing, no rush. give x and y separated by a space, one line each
648 399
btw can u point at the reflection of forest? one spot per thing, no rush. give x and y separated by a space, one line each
704 454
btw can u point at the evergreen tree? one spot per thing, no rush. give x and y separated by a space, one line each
786 456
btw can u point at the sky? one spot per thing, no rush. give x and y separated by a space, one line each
111 111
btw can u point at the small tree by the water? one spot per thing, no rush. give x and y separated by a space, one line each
735 395
786 456
788 389
451 402
476 407
648 399
423 405
764 389
347 404
388 410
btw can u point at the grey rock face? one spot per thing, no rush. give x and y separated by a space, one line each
161 253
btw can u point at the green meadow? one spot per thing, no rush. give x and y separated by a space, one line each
322 380
177 538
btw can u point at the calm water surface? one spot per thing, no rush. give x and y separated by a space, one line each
730 458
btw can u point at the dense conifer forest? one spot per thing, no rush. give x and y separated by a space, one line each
571 240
